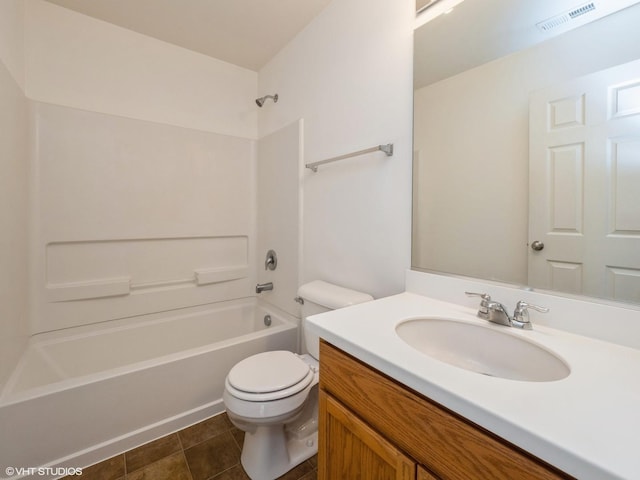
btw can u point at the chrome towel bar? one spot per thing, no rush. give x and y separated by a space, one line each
388 149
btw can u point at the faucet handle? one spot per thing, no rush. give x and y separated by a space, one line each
521 313
484 296
271 262
522 307
483 311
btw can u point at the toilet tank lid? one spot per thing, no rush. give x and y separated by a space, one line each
331 296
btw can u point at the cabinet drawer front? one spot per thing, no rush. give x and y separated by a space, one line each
450 446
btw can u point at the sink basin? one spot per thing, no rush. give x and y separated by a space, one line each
483 350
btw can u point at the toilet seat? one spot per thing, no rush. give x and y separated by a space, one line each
269 376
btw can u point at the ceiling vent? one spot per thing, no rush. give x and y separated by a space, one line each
553 22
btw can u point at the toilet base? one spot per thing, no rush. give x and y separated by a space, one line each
269 452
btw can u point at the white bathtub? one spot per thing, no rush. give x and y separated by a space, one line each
84 394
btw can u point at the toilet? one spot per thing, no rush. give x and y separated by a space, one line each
273 396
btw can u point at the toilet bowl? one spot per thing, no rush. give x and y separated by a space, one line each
273 396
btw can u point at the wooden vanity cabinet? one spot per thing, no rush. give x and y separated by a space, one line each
374 428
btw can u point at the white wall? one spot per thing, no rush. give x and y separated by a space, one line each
472 134
348 75
13 191
144 172
78 61
12 38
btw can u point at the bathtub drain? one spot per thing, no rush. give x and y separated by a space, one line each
267 320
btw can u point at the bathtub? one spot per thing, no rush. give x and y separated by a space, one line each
84 394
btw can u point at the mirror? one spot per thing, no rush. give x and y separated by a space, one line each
475 70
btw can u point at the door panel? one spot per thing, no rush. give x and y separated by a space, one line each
584 185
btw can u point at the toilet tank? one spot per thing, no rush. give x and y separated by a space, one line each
322 297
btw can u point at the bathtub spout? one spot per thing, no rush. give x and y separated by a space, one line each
261 287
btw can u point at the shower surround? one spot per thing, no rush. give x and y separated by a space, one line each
143 271
133 217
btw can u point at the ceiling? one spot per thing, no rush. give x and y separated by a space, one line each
247 33
476 32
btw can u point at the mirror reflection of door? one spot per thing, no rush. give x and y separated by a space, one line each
585 185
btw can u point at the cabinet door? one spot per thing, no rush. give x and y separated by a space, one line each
350 449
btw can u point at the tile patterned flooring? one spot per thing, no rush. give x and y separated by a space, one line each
209 450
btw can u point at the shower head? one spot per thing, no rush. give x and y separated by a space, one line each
260 101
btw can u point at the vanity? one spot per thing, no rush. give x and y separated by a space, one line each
443 444
390 409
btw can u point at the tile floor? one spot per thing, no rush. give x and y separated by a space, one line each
209 450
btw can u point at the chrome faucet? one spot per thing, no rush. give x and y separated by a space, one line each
497 313
262 287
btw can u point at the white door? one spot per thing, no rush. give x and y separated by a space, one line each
584 184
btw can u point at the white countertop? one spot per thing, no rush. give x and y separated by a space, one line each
587 424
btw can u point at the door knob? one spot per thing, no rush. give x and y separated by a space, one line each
537 245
